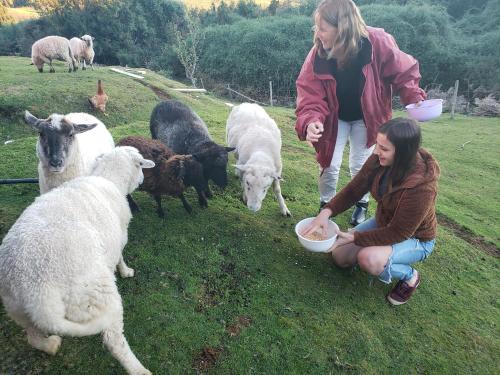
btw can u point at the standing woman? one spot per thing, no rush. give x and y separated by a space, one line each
344 91
402 178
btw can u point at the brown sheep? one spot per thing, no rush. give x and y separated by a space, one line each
172 175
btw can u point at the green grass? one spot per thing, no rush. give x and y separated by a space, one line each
22 13
197 274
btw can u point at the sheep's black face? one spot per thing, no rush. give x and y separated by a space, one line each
214 161
194 175
54 145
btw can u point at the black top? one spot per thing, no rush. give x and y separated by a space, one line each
350 84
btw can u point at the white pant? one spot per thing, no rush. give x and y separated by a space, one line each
355 133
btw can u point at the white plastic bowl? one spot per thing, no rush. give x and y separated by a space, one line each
427 110
317 246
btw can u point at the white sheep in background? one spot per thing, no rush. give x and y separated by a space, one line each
258 145
44 50
68 146
57 262
83 50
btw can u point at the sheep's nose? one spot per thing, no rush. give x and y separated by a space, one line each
56 163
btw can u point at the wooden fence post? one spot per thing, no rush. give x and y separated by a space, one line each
454 100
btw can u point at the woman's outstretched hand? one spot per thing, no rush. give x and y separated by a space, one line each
319 222
314 131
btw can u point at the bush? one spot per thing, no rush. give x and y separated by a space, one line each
247 54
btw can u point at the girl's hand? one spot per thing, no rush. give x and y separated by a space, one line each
314 131
343 238
319 222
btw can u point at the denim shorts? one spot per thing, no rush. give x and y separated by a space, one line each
403 254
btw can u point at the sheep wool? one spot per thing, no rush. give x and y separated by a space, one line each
83 51
257 140
68 146
57 262
53 47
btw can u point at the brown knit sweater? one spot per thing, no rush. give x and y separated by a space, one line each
404 211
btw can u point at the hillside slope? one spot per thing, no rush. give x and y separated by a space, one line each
227 291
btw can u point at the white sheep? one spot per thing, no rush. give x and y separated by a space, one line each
83 50
258 145
57 262
68 146
44 50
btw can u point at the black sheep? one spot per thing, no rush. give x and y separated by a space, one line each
182 130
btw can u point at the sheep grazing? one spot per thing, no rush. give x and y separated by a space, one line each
57 262
44 50
68 146
257 140
83 50
182 130
171 175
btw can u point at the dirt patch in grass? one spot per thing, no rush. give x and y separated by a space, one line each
207 358
160 93
466 235
241 322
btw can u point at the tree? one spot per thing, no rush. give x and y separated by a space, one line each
187 47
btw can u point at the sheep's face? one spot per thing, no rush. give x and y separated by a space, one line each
214 161
55 146
255 182
87 39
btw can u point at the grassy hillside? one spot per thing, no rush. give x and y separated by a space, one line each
227 291
22 13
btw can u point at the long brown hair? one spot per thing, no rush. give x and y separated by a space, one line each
345 16
405 135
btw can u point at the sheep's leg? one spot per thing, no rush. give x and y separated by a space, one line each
277 193
202 200
36 338
40 341
132 204
124 270
208 193
84 65
117 344
52 70
159 210
185 203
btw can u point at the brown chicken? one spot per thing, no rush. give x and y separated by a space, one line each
99 100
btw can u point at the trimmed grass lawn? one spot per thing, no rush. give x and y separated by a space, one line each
228 291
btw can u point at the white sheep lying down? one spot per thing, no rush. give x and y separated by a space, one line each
57 262
257 139
68 146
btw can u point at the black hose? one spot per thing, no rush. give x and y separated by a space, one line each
18 181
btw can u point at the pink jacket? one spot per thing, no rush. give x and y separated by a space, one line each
387 69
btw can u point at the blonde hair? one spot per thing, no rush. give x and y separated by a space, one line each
345 16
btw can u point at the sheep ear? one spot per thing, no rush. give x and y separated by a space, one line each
229 149
146 163
32 120
81 128
93 38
